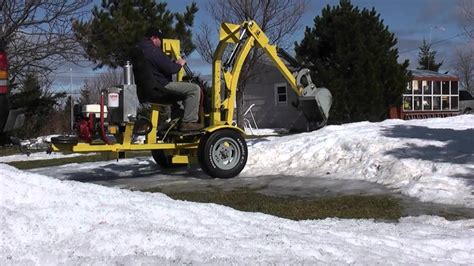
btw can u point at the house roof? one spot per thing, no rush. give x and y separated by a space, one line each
432 75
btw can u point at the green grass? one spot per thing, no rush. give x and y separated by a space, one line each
358 207
6 151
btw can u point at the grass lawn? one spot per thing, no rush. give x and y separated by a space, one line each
386 208
10 150
249 200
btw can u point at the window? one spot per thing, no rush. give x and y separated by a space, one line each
417 87
431 95
417 102
427 87
454 87
445 102
281 97
436 103
407 103
409 88
427 103
437 87
445 87
454 102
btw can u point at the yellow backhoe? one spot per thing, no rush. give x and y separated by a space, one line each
220 148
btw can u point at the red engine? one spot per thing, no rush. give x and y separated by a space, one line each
85 128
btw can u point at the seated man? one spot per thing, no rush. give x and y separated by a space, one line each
162 69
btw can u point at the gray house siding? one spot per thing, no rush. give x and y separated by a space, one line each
271 110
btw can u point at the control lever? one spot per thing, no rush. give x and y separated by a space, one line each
188 71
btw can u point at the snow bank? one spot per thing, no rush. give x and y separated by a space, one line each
431 159
47 221
265 131
39 143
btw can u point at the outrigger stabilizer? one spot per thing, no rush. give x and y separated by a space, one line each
219 148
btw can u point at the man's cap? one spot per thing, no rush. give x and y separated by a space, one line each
154 32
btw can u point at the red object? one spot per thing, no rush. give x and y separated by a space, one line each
3 61
3 73
83 131
395 112
85 128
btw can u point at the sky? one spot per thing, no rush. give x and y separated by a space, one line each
410 20
50 220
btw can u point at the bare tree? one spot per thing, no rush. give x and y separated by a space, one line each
467 11
464 66
90 91
279 19
38 36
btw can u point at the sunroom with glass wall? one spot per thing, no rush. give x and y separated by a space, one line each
430 94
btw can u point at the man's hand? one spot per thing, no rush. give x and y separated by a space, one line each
181 61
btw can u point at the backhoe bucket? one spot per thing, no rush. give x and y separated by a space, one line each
315 105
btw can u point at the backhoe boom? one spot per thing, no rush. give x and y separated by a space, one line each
317 101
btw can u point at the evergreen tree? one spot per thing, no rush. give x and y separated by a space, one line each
353 54
38 103
426 58
116 26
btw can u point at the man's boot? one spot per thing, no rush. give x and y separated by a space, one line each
189 126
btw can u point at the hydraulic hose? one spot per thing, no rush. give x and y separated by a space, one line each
102 128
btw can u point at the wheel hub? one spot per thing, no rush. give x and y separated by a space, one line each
226 153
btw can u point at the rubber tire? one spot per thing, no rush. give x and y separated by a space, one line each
163 160
65 140
206 145
4 108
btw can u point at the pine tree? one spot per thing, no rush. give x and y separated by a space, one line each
39 105
116 26
426 58
353 54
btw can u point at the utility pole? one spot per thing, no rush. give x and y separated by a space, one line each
71 103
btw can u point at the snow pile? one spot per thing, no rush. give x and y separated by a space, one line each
47 221
431 159
38 144
265 131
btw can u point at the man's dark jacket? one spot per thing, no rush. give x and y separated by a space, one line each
161 66
152 70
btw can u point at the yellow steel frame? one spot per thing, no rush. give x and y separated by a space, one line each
230 34
182 152
186 152
172 48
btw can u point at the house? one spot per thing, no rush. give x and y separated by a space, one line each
273 100
429 94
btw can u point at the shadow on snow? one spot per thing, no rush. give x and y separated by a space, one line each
457 146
